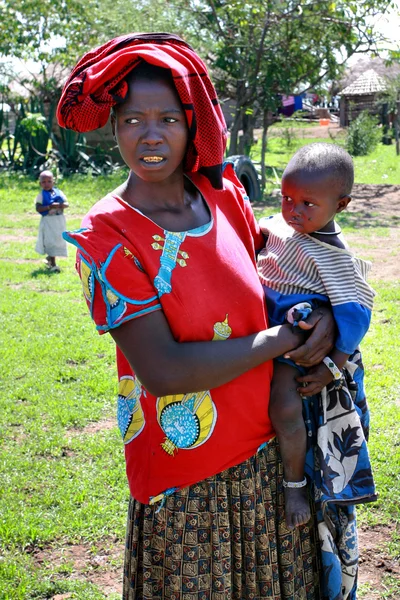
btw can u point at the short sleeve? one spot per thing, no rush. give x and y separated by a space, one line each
353 321
343 277
115 285
39 198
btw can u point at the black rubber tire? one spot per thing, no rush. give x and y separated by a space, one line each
247 175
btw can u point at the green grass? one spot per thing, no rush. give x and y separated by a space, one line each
59 485
63 486
380 167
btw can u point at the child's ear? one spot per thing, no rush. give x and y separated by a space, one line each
343 203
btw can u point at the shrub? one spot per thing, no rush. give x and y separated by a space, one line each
363 135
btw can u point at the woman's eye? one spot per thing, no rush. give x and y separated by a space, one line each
309 203
170 120
132 120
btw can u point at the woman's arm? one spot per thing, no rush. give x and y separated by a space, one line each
165 366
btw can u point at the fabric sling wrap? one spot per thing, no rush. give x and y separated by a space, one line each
97 83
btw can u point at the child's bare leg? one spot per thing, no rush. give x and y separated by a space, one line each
52 261
286 416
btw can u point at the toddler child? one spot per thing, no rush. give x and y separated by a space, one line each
305 263
50 203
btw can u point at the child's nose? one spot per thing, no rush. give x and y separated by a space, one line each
295 209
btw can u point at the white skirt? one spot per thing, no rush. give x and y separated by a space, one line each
50 240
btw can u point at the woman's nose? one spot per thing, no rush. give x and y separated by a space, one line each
152 136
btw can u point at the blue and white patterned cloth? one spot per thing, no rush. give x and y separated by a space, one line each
338 466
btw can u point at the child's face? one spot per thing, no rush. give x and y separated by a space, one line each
310 203
46 182
151 130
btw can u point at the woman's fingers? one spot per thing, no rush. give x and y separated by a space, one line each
305 325
307 378
306 355
309 390
320 342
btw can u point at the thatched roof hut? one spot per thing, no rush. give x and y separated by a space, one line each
361 95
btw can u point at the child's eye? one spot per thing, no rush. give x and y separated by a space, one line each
309 203
286 199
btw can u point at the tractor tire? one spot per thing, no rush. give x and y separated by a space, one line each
247 175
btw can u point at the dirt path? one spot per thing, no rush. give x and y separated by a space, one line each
374 207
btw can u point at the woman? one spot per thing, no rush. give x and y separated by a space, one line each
167 263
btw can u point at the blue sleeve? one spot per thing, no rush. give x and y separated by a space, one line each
352 320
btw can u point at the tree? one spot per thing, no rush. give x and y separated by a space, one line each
272 47
44 30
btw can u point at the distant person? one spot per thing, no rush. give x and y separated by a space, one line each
306 264
50 204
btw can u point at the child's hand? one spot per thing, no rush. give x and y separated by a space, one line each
317 378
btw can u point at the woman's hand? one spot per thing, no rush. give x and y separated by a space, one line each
321 340
316 379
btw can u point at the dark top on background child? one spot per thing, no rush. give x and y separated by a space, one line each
50 204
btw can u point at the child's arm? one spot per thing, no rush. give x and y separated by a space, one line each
320 376
64 203
40 208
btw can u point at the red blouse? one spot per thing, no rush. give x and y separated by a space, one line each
206 283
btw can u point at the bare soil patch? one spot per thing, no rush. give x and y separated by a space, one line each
372 207
102 567
375 563
17 237
94 427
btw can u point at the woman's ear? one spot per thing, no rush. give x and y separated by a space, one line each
343 203
113 126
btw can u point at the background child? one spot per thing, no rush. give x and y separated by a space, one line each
50 203
306 259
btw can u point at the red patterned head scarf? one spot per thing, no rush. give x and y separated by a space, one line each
98 82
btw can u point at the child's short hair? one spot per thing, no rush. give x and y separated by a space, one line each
321 158
46 174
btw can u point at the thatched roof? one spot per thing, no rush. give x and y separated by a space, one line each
368 83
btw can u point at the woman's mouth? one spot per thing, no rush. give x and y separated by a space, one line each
152 159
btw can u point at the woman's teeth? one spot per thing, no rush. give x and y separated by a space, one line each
153 159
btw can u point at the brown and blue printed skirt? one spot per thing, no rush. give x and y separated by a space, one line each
224 538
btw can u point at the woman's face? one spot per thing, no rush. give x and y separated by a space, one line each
150 129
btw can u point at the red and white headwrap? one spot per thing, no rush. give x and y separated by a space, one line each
98 82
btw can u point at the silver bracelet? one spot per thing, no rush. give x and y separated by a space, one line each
294 484
334 369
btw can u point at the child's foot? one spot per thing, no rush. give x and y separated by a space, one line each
47 262
297 507
55 269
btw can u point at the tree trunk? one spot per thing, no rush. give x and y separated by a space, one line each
234 133
266 123
238 119
248 133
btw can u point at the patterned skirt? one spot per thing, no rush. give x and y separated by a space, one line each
224 538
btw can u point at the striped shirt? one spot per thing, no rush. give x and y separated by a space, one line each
297 264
